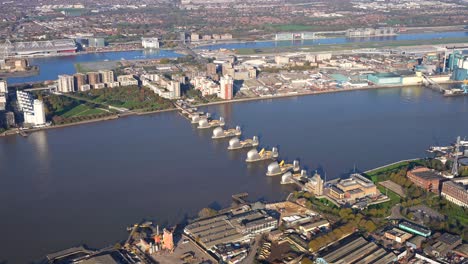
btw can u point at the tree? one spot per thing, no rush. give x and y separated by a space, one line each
207 212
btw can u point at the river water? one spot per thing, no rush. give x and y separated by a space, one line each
334 41
51 67
86 183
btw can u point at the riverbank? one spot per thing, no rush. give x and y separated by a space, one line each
122 115
33 71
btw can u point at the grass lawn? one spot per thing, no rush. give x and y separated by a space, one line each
374 175
82 110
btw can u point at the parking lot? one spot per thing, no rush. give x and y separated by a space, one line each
184 247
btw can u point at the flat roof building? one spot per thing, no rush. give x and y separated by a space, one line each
414 228
357 251
456 193
425 178
398 235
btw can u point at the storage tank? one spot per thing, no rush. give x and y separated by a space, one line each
273 168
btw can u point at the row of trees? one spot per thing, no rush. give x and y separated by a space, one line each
335 235
131 97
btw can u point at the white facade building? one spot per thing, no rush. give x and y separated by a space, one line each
3 94
162 86
150 43
66 83
33 109
127 80
205 85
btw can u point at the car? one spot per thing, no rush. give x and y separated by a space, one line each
185 241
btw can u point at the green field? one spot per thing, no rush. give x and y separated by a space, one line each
82 110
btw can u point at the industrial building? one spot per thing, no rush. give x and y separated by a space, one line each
230 228
456 193
398 235
356 251
150 43
40 48
414 228
385 78
33 109
458 63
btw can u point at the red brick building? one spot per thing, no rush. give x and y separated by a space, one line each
455 193
425 178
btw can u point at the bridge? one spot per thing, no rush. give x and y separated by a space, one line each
69 252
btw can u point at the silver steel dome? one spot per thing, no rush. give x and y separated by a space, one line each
253 154
286 178
196 118
203 123
234 143
274 168
217 132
